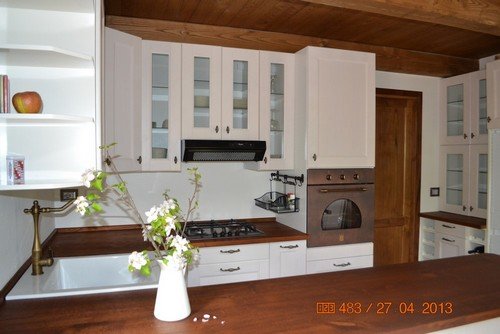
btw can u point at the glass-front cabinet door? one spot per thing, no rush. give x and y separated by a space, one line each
455 178
478 181
201 87
479 112
277 109
240 94
161 98
455 110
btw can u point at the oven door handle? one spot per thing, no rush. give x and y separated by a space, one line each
341 190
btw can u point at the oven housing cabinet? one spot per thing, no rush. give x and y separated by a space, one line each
340 206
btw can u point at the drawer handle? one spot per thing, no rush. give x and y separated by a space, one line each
342 264
449 240
447 226
231 251
230 270
290 246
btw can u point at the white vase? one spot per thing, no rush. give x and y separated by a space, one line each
172 301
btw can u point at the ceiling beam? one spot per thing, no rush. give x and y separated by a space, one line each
387 58
478 15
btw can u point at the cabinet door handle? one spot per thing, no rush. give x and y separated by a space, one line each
465 136
342 264
230 269
265 160
472 135
227 129
488 119
449 240
139 160
464 208
290 246
175 160
231 251
216 129
447 226
471 208
314 156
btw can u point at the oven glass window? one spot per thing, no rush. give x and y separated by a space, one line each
341 214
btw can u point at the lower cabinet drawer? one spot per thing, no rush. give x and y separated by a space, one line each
236 253
228 272
338 264
450 229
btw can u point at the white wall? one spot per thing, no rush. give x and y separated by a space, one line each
429 86
228 191
16 230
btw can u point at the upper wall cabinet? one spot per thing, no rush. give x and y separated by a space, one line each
493 90
338 94
276 118
220 92
122 98
463 109
52 49
142 106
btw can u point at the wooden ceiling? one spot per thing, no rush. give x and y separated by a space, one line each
428 37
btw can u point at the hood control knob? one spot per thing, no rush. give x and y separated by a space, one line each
355 176
342 177
329 177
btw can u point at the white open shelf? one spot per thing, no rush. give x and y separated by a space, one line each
43 56
41 184
33 119
77 6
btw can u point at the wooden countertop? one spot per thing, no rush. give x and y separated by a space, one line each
469 221
127 238
469 284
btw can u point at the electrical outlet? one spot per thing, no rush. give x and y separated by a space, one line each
68 194
434 192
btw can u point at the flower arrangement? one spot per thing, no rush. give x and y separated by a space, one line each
165 223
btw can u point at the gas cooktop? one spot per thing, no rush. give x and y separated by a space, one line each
219 230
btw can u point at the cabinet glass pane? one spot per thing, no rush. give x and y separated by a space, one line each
240 94
455 110
159 127
277 82
483 115
454 178
482 181
201 92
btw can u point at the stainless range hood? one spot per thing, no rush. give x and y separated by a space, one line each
223 150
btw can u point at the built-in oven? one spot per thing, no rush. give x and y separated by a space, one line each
340 206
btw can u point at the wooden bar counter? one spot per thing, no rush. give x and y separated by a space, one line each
408 298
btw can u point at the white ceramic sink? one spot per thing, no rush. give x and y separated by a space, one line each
83 275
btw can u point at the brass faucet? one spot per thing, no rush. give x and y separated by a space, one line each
36 251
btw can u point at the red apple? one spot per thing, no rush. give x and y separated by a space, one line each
27 102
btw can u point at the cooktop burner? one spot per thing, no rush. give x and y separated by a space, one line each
217 230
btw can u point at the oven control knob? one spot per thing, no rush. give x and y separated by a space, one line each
329 177
342 177
355 176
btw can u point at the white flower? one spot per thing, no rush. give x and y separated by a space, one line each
176 261
170 226
180 244
152 214
145 231
81 205
88 176
137 260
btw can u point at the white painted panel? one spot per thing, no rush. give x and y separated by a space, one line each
493 93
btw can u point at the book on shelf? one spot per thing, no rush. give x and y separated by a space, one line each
4 94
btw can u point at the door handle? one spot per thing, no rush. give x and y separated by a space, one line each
342 264
230 269
231 251
341 190
449 240
290 246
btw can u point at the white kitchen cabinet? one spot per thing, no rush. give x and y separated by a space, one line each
338 95
226 264
142 109
341 257
463 109
122 98
277 84
220 93
427 242
493 91
64 68
161 106
287 258
449 246
464 175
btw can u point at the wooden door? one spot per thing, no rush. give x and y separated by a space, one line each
397 176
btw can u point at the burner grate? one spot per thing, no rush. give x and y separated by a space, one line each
218 230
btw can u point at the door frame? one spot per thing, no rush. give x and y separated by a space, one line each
416 165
